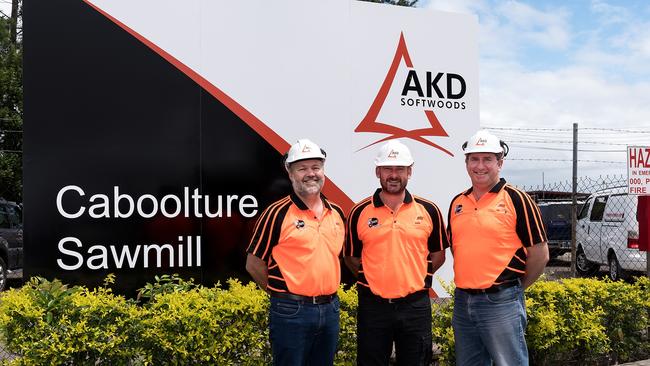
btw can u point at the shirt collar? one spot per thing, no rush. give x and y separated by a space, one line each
301 205
496 189
377 202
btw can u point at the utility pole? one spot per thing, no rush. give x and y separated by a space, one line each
574 203
13 21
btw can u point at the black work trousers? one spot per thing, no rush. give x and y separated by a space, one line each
380 323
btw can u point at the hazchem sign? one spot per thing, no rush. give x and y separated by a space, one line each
638 170
154 136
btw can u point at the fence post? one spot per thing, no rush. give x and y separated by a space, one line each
574 203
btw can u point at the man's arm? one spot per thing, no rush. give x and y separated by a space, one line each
437 259
353 264
258 270
536 260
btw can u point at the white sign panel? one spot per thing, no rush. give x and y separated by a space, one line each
638 170
346 74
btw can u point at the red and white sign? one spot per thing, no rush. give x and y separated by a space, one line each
638 170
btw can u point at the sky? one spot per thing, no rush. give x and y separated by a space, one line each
545 65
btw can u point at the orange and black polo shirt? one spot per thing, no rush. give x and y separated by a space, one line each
489 237
394 247
302 252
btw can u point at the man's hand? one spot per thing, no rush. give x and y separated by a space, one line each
437 260
353 264
536 260
258 270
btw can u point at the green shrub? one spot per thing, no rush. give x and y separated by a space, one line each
208 326
587 321
346 353
575 321
47 323
441 329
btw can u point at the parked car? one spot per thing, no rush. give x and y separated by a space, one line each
557 221
608 234
11 239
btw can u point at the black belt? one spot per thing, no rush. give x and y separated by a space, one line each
363 291
490 290
316 300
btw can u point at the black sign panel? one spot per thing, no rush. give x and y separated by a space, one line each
126 157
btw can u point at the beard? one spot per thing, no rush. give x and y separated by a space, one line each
393 186
307 186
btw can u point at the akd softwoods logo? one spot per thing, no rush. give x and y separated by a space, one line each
413 94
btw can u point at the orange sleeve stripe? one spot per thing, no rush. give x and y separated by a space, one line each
523 202
442 229
519 259
275 289
350 241
277 278
536 216
265 217
441 226
540 226
275 215
335 206
361 283
516 270
266 212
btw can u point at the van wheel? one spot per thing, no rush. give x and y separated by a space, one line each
3 274
584 267
616 273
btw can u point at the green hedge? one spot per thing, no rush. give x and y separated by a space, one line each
579 321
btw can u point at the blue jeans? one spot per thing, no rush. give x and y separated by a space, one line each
303 333
490 327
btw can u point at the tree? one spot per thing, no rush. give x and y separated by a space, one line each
11 103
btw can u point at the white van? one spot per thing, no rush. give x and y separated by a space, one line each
607 233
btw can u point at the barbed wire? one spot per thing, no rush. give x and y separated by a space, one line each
569 160
564 149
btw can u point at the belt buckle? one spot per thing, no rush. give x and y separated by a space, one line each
314 300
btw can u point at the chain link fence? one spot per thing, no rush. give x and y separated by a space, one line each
607 230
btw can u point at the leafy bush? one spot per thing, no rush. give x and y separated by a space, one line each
588 321
47 323
576 321
208 326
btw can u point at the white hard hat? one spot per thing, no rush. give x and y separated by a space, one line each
302 150
485 142
394 153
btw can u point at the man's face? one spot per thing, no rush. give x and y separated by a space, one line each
393 179
483 169
307 176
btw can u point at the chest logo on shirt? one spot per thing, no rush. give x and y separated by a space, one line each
372 222
458 209
300 224
501 207
418 220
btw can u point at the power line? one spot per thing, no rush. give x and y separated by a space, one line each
626 130
563 149
568 142
570 160
526 129
616 130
